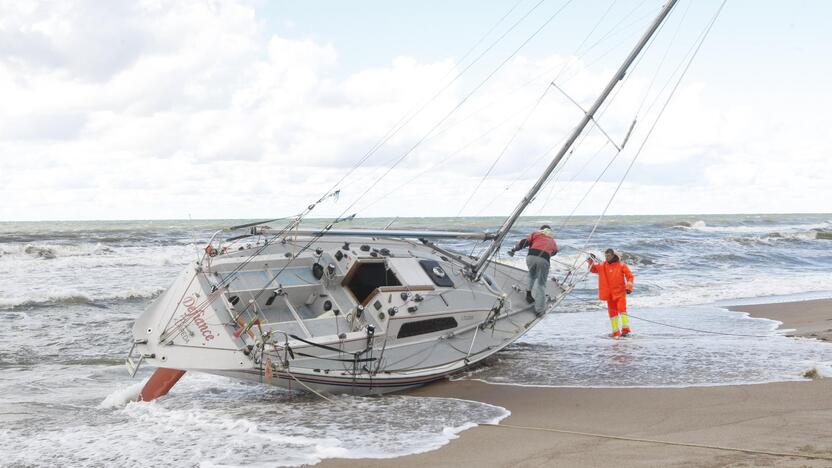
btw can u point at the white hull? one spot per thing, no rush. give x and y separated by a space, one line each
378 315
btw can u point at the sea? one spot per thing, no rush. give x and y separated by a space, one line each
71 290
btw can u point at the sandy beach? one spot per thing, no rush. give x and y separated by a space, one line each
812 319
647 427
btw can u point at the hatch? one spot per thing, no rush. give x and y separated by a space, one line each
366 277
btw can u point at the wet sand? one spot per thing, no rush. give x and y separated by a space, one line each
789 417
811 319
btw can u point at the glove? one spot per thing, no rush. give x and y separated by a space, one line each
511 252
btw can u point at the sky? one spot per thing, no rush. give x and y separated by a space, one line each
248 109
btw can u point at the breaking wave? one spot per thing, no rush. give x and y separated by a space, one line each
689 225
72 298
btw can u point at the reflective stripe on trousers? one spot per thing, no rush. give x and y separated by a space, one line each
618 308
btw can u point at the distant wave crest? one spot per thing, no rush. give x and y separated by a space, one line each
71 298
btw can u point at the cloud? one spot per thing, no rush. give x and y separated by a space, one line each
163 109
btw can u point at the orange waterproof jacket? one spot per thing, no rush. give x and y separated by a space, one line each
614 279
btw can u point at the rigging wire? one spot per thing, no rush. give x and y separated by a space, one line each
407 119
521 87
592 123
658 117
641 105
664 58
576 55
390 134
503 151
460 103
614 31
444 161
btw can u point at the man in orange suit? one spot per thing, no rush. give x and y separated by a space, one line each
615 281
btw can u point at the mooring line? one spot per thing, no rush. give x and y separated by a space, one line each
664 442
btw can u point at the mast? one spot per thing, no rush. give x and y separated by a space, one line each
619 75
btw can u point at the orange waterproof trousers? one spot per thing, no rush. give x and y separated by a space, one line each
616 307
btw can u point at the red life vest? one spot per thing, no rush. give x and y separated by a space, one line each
539 241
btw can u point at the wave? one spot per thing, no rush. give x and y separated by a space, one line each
689 225
755 228
823 234
637 259
88 255
73 298
42 252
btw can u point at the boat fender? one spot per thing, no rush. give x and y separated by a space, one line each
317 271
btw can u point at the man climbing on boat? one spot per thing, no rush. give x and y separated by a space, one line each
542 247
615 281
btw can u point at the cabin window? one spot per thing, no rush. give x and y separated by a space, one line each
368 276
421 327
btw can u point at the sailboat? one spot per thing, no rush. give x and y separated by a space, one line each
347 310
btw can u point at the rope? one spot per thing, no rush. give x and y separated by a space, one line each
664 442
710 332
697 330
308 387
